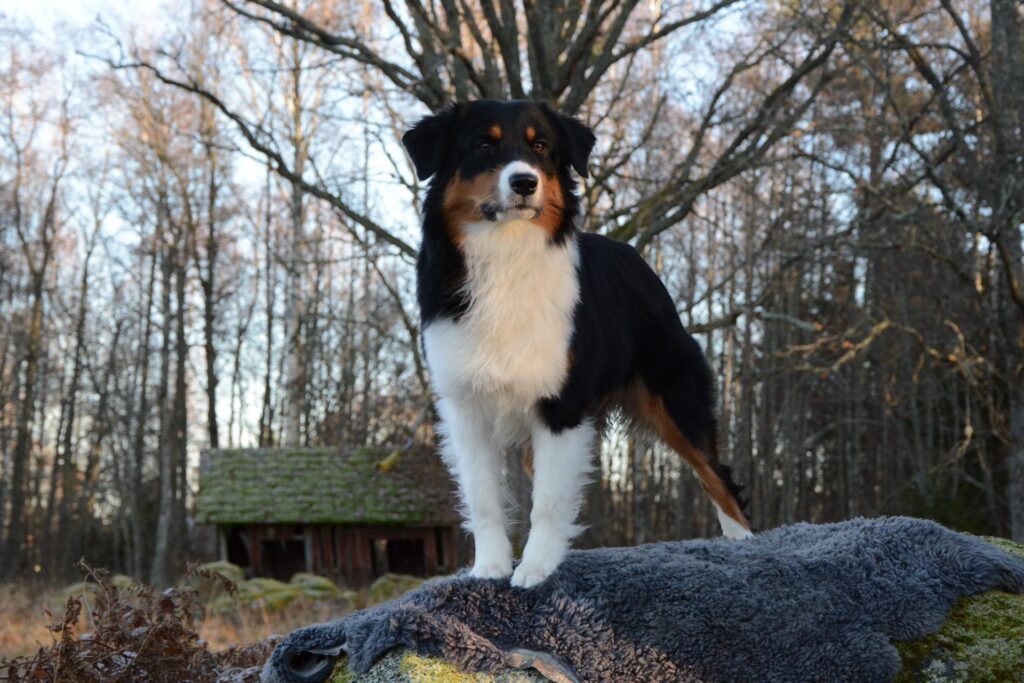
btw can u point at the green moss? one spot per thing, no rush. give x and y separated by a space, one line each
982 640
390 586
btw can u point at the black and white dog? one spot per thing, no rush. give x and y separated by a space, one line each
534 330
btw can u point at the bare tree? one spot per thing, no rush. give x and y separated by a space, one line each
35 195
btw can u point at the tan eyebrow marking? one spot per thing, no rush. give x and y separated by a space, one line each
531 133
495 132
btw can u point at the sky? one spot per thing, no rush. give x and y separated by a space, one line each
50 16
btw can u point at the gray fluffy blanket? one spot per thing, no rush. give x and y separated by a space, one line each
800 603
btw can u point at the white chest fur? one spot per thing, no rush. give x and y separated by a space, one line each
512 344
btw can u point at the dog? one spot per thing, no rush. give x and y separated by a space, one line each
534 330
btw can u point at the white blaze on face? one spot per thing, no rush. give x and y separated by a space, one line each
508 196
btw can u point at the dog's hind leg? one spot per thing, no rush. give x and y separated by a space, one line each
681 415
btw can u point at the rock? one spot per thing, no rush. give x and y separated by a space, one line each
212 579
231 572
390 586
982 640
403 666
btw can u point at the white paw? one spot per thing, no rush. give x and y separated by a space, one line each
491 570
529 574
738 534
493 556
544 551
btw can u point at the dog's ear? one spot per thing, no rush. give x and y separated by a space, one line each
576 137
429 140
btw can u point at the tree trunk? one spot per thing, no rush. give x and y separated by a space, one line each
295 380
69 470
138 517
1008 177
266 424
179 421
100 431
295 389
208 284
161 550
23 433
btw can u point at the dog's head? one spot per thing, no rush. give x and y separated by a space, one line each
497 161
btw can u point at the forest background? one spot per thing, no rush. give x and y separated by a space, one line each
208 228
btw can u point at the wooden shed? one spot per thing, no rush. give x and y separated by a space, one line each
348 514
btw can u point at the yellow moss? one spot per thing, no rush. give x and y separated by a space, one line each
428 670
341 673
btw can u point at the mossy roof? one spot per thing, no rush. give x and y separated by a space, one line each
324 486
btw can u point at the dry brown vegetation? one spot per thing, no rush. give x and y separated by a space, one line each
111 630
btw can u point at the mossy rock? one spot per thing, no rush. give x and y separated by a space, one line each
315 587
87 590
272 595
390 586
981 641
230 571
403 666
206 583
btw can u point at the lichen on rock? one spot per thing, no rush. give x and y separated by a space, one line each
981 640
403 666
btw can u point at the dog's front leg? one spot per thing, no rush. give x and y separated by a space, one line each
475 460
561 463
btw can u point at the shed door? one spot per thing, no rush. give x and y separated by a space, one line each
407 556
283 558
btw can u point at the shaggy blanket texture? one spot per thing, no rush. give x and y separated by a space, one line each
799 603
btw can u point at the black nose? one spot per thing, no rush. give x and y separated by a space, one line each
523 183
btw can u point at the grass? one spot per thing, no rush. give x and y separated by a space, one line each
24 618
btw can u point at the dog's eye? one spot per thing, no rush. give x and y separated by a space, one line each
540 147
485 146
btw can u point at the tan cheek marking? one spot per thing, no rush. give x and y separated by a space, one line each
495 132
463 199
531 133
550 217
